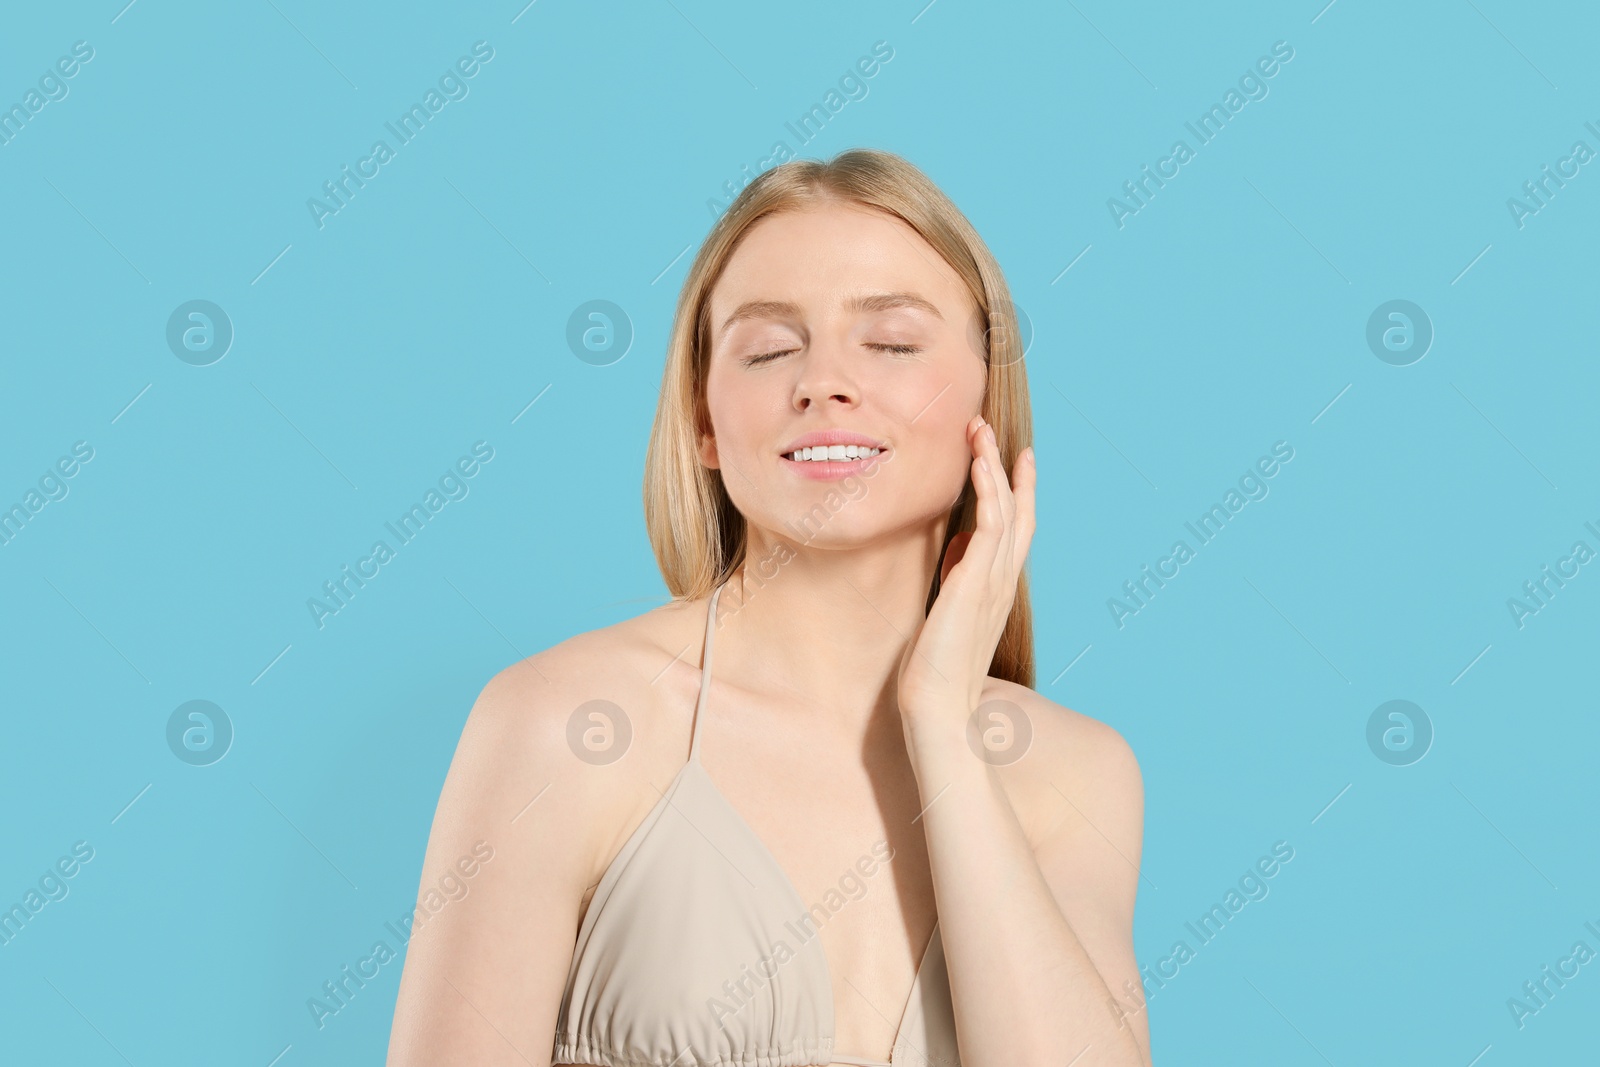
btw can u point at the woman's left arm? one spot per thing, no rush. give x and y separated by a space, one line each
1035 940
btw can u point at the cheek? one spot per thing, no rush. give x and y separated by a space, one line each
738 410
952 463
932 410
935 463
743 424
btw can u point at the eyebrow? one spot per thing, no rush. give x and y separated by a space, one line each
772 309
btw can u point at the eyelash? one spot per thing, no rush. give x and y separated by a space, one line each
899 350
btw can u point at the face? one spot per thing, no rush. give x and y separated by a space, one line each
841 318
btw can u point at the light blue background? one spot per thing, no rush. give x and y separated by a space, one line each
1227 315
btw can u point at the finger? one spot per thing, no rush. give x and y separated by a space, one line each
988 541
1026 481
990 450
1001 563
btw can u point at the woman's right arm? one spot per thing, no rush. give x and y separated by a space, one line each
485 971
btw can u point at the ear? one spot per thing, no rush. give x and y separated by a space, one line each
953 553
706 448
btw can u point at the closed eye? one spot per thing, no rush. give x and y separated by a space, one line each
750 361
899 350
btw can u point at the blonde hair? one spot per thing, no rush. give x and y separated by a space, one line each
699 537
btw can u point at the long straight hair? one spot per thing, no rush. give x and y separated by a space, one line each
699 537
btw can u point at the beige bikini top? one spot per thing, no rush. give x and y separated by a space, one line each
697 951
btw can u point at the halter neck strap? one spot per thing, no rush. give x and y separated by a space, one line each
705 671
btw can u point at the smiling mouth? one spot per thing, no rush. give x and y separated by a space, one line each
833 453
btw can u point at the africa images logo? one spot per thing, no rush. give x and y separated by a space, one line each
1206 128
453 485
412 121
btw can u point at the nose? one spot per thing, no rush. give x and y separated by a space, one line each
825 377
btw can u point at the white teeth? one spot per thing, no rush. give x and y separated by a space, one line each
832 452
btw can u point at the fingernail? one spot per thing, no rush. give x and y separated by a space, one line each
1031 458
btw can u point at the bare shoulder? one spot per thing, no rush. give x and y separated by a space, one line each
1077 771
577 731
557 757
596 696
585 663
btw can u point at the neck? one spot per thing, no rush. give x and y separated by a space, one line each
830 624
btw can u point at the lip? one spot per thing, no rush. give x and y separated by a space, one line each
831 437
831 469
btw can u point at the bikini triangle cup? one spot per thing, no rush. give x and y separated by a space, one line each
695 951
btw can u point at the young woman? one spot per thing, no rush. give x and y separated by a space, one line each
810 811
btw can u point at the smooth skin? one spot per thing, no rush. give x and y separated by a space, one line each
838 713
